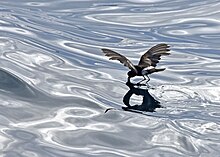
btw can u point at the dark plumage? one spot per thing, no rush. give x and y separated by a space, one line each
147 63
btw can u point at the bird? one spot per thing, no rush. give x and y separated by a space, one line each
147 63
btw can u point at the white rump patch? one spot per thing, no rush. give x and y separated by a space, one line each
148 68
145 70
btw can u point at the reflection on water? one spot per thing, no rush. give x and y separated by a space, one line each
149 104
55 83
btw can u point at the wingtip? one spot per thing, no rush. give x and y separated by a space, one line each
167 45
103 49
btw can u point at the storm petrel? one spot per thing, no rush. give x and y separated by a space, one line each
147 64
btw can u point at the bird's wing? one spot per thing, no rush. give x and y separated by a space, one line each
116 56
153 55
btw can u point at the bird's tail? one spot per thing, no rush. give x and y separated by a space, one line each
161 69
155 70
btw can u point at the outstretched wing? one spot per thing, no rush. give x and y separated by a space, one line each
153 55
116 56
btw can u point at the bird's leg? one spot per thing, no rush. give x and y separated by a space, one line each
139 83
146 83
148 79
148 86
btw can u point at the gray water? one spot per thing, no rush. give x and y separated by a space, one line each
55 83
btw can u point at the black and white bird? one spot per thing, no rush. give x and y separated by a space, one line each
147 64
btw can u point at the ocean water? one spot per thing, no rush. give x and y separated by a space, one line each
55 82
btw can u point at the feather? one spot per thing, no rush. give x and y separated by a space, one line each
116 56
153 55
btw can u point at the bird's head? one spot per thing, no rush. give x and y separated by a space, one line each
131 74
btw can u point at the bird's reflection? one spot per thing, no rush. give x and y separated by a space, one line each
149 104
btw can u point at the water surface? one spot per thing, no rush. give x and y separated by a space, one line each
55 83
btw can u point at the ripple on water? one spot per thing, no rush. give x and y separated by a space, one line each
55 83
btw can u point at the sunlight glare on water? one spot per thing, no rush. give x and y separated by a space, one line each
55 82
